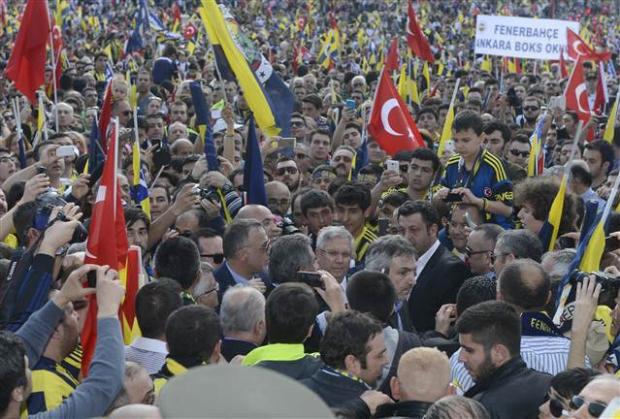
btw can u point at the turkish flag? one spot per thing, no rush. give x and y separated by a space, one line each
601 96
390 123
391 61
26 66
577 48
563 69
576 93
105 115
107 240
418 44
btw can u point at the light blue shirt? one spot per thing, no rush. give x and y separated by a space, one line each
238 278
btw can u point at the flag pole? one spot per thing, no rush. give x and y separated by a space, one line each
54 87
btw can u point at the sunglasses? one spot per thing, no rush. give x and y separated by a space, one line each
518 153
530 108
290 170
297 124
217 257
595 409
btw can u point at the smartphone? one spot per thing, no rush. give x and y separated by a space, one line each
313 279
66 151
453 197
383 224
41 170
350 104
91 279
392 165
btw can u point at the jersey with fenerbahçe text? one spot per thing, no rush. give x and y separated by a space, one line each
487 179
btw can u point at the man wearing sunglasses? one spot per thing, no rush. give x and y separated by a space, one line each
288 173
594 398
210 245
518 150
531 112
563 387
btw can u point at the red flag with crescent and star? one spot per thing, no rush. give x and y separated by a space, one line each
576 93
577 48
391 124
415 37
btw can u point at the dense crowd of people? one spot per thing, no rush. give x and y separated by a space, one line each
419 284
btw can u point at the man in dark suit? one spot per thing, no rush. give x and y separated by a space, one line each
246 248
243 320
439 274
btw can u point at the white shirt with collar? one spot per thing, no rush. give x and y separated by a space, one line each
423 260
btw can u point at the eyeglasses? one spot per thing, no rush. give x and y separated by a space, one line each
518 153
470 252
530 108
207 292
217 257
495 256
595 409
290 170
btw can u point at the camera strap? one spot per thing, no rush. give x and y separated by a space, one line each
227 216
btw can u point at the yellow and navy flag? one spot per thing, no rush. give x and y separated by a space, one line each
330 48
536 162
228 51
549 231
608 134
446 132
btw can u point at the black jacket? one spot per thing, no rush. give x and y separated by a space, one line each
297 370
513 391
225 280
437 284
338 391
233 347
408 409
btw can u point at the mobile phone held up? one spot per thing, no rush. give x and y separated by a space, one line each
313 279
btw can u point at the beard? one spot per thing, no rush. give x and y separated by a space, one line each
485 370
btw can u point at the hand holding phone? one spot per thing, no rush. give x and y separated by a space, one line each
313 279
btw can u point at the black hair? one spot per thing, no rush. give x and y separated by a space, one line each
426 154
133 214
290 311
424 110
475 290
581 174
348 333
155 301
192 331
236 236
570 382
425 209
315 199
372 293
467 119
491 323
23 219
353 194
606 151
12 367
496 125
178 258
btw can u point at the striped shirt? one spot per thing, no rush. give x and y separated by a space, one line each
150 353
363 241
541 353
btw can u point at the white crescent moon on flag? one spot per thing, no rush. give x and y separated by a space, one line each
578 92
576 45
385 116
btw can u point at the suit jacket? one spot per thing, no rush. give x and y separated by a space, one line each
437 284
225 280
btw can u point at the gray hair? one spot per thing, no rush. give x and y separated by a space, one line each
457 407
242 307
561 260
330 233
523 244
202 285
236 236
382 250
288 255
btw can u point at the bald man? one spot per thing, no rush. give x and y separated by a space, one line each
423 377
264 216
278 197
143 411
595 397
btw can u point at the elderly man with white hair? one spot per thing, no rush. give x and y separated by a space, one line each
334 250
